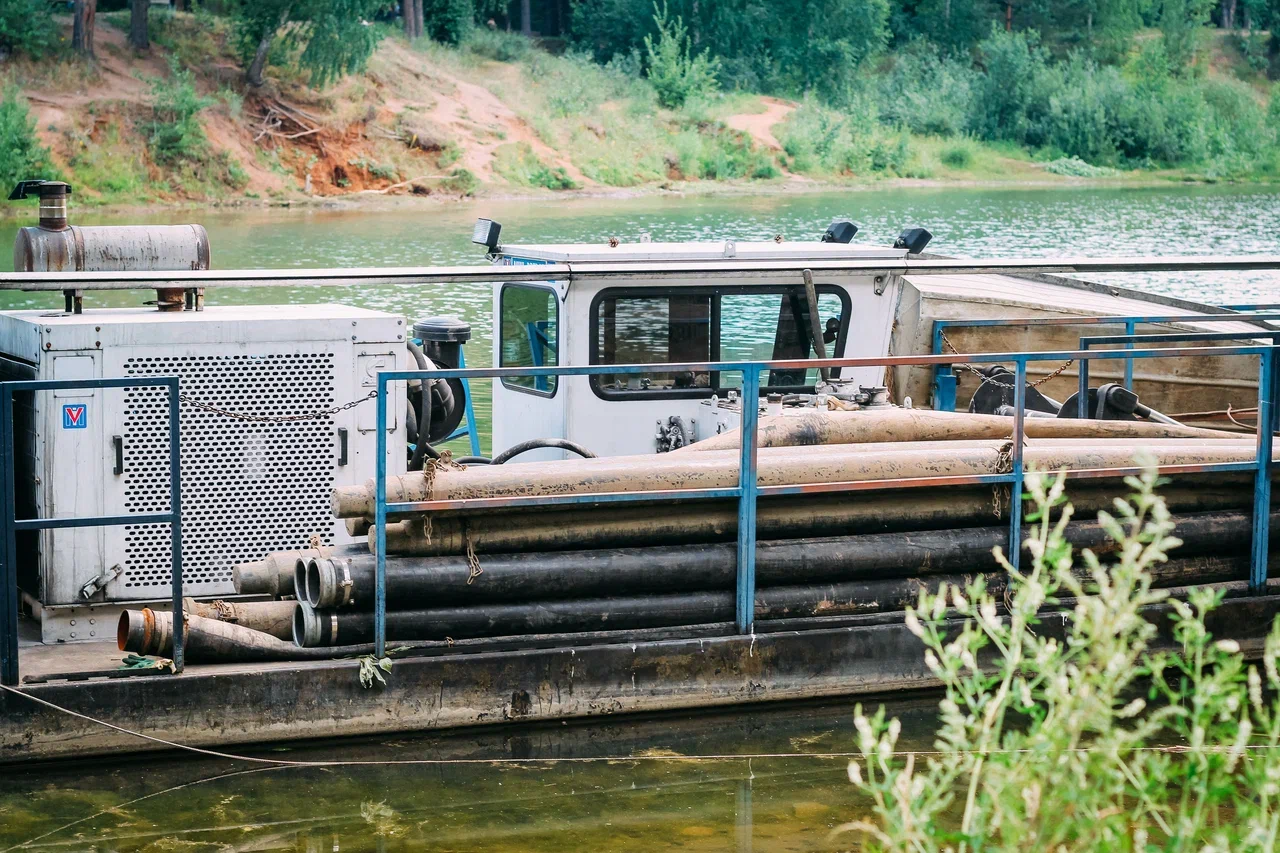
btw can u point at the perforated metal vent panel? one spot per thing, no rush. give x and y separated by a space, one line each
247 487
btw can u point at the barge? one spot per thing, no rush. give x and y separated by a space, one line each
720 472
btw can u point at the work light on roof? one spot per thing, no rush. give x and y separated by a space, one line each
486 234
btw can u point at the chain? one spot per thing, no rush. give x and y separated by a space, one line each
273 419
982 377
473 562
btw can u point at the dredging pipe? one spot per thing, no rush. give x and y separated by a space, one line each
150 632
269 617
816 427
314 628
529 531
273 574
412 582
781 466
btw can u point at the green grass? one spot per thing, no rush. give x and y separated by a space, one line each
517 162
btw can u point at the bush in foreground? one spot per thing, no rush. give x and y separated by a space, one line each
1047 744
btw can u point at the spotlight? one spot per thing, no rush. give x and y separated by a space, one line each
486 234
840 231
913 240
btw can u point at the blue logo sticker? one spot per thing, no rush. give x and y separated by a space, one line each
75 416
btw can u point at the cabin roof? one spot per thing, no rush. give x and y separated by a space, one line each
691 251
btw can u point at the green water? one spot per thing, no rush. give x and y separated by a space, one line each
761 804
615 803
973 223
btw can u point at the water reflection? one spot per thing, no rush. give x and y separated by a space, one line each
633 791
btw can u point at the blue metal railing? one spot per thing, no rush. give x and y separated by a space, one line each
1082 395
944 380
10 524
748 489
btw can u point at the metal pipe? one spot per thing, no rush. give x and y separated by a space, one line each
412 582
150 632
273 574
777 518
319 628
778 466
269 617
902 425
563 272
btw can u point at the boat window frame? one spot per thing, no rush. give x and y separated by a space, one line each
555 300
715 291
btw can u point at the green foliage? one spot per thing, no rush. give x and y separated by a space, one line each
448 21
496 44
1048 743
953 25
677 74
1074 167
1181 25
22 157
174 132
927 91
818 139
959 156
335 36
26 26
517 162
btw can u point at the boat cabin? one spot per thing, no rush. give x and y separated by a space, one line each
667 317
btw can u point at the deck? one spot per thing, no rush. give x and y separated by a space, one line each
509 681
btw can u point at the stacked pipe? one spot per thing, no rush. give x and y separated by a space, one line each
456 574
640 567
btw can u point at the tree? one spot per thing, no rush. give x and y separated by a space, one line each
447 21
138 36
413 23
26 27
82 27
335 35
1181 22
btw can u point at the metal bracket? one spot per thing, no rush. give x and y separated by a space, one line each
878 284
96 585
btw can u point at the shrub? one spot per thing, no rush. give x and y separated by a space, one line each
27 26
1074 167
927 92
174 133
517 162
958 156
448 21
1047 743
675 72
497 44
22 157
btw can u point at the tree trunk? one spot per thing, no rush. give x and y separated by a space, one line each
82 29
180 5
254 75
408 10
526 18
419 19
1228 14
138 37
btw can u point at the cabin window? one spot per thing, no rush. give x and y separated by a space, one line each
529 336
666 326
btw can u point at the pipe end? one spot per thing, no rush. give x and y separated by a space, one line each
306 626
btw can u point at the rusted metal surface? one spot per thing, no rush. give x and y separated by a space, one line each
111 249
282 702
902 425
784 469
269 617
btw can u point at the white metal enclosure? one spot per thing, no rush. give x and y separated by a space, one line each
249 485
589 326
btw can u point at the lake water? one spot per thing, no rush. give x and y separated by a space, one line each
623 804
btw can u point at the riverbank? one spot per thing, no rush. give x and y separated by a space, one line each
495 119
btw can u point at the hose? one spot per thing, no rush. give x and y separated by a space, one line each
474 460
536 443
421 448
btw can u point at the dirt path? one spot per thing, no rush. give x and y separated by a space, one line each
760 125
